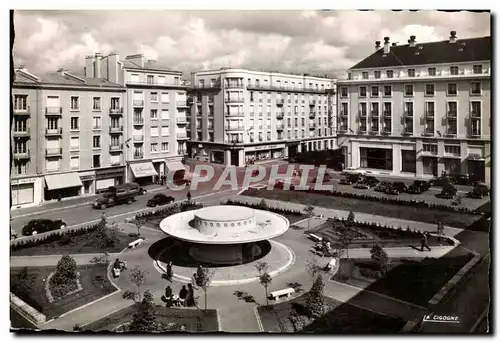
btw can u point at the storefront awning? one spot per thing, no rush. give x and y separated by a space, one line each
143 170
62 181
174 166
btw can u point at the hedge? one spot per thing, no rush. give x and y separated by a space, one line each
169 210
261 207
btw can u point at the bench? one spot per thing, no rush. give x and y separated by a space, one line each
285 292
135 243
315 238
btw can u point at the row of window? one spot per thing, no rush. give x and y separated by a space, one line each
152 79
448 149
409 90
237 82
453 70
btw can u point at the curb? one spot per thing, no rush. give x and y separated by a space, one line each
219 325
257 316
36 318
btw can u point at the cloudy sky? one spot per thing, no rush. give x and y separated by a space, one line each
319 42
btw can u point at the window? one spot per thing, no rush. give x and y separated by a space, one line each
154 114
389 73
475 109
429 90
375 91
431 71
74 124
96 141
52 123
452 149
154 147
452 109
75 103
96 160
151 79
164 146
134 78
344 92
154 131
362 109
74 143
477 69
115 122
452 89
409 90
376 73
164 114
154 97
364 75
411 72
20 168
362 91
454 70
165 131
115 140
475 88
21 102
20 125
387 91
409 108
115 103
96 103
75 162
96 122
52 164
430 148
165 97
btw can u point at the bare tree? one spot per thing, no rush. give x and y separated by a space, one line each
346 236
139 222
138 277
309 211
204 278
264 277
313 267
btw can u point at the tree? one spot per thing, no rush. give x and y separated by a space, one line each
315 300
139 222
309 211
440 230
144 319
350 217
204 279
264 277
263 205
138 277
65 270
312 267
346 236
380 258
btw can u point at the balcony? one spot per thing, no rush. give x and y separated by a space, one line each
313 103
362 114
182 136
430 153
451 114
312 125
115 129
181 120
138 121
138 103
138 155
287 89
53 132
237 114
312 115
375 114
211 86
408 114
234 127
237 141
387 114
280 102
342 129
18 155
22 111
53 152
138 138
234 86
22 134
116 111
407 130
210 100
280 116
53 111
181 104
210 127
233 100
280 127
116 148
429 114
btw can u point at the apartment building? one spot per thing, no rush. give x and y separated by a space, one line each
239 115
155 124
419 109
65 141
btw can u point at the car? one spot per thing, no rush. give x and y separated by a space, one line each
160 199
352 171
418 187
443 180
480 190
37 226
399 186
390 190
370 180
350 179
382 186
362 185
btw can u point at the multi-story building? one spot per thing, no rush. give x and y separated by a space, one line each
419 109
155 124
238 115
66 143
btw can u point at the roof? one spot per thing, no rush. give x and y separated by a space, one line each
20 77
58 78
474 49
148 65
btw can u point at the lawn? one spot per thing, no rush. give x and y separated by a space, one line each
408 280
79 244
193 320
93 279
453 219
342 318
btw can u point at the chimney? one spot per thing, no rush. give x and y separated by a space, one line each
453 36
97 67
113 67
377 45
412 42
62 71
387 45
89 66
136 59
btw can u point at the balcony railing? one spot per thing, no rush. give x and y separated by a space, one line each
280 127
181 120
237 114
138 103
138 121
210 99
362 129
181 104
312 115
55 131
286 89
215 85
115 111
21 134
408 114
430 153
138 138
116 129
428 131
451 132
375 114
387 114
53 152
22 154
233 100
386 130
53 111
451 114
234 127
475 132
138 155
313 103
182 136
280 116
236 141
22 111
118 147
429 114
280 102
374 129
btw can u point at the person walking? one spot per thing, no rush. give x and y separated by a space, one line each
169 271
189 196
190 296
423 242
183 294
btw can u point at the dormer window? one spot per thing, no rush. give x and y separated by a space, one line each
364 74
377 74
477 69
454 70
431 71
390 73
411 72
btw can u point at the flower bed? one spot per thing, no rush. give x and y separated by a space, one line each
55 291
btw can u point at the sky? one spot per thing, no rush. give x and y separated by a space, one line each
315 42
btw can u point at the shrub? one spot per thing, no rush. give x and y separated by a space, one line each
380 258
315 301
65 270
369 273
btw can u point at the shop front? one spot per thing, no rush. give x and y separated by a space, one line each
264 152
476 163
143 173
62 185
451 165
26 191
217 157
105 178
375 158
408 161
430 165
159 165
177 168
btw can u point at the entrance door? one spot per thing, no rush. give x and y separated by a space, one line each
235 157
87 187
476 168
430 165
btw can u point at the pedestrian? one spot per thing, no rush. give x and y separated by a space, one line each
103 216
189 196
59 197
168 292
342 165
183 293
194 281
190 296
169 271
423 242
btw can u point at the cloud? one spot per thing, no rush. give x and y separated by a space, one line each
288 41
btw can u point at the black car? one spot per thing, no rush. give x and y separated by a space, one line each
396 188
350 179
371 181
159 199
442 181
480 190
382 186
418 187
35 227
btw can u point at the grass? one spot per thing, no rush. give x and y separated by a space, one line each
93 279
193 320
73 245
342 318
429 215
19 322
408 280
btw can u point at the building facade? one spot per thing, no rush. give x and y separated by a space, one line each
241 115
155 120
419 109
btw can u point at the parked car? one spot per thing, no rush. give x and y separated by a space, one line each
390 190
13 234
418 187
350 179
449 191
480 190
41 226
396 188
362 185
352 171
372 181
159 199
442 180
382 186
122 193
